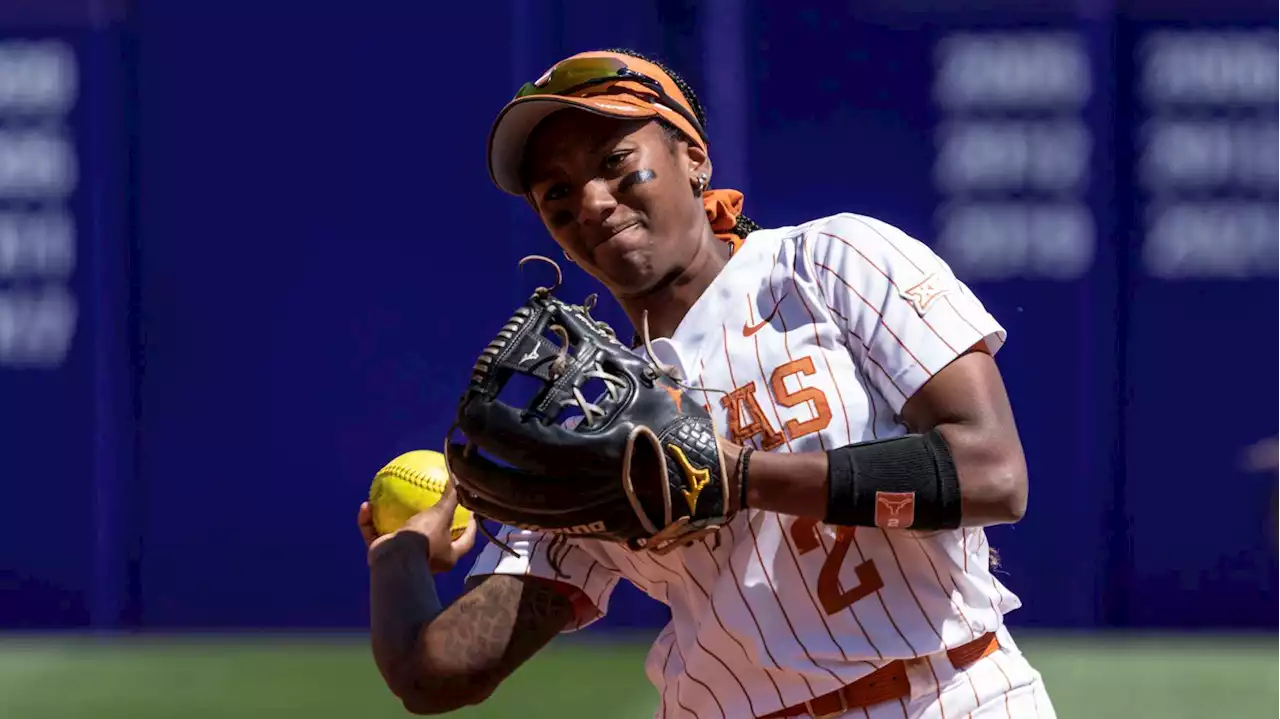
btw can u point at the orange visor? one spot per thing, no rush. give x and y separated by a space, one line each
609 84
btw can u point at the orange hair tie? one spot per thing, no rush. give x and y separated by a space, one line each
723 208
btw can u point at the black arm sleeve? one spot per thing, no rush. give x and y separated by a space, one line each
402 591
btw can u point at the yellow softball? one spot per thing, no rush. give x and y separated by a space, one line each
410 483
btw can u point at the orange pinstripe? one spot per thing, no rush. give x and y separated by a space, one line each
892 284
879 318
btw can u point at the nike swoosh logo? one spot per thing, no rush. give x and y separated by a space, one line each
748 330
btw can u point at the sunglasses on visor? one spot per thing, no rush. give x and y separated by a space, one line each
572 76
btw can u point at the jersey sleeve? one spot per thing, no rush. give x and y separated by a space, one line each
904 313
537 555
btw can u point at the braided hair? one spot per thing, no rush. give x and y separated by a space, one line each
745 225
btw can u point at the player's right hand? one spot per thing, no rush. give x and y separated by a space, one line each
435 524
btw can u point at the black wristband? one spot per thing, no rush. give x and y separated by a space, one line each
906 482
402 591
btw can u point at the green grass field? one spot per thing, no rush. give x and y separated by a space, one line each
334 678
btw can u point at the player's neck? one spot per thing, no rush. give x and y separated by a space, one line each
671 300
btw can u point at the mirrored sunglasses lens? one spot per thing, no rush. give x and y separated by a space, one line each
574 73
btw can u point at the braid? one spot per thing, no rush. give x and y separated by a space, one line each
679 81
745 225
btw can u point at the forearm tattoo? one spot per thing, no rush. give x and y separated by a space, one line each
491 630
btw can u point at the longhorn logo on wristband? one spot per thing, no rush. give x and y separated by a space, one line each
895 510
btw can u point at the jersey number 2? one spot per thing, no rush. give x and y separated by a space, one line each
804 532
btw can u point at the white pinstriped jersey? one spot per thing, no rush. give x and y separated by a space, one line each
816 335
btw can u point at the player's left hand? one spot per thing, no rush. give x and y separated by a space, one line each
643 466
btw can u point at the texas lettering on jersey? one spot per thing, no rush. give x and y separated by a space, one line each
811 338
